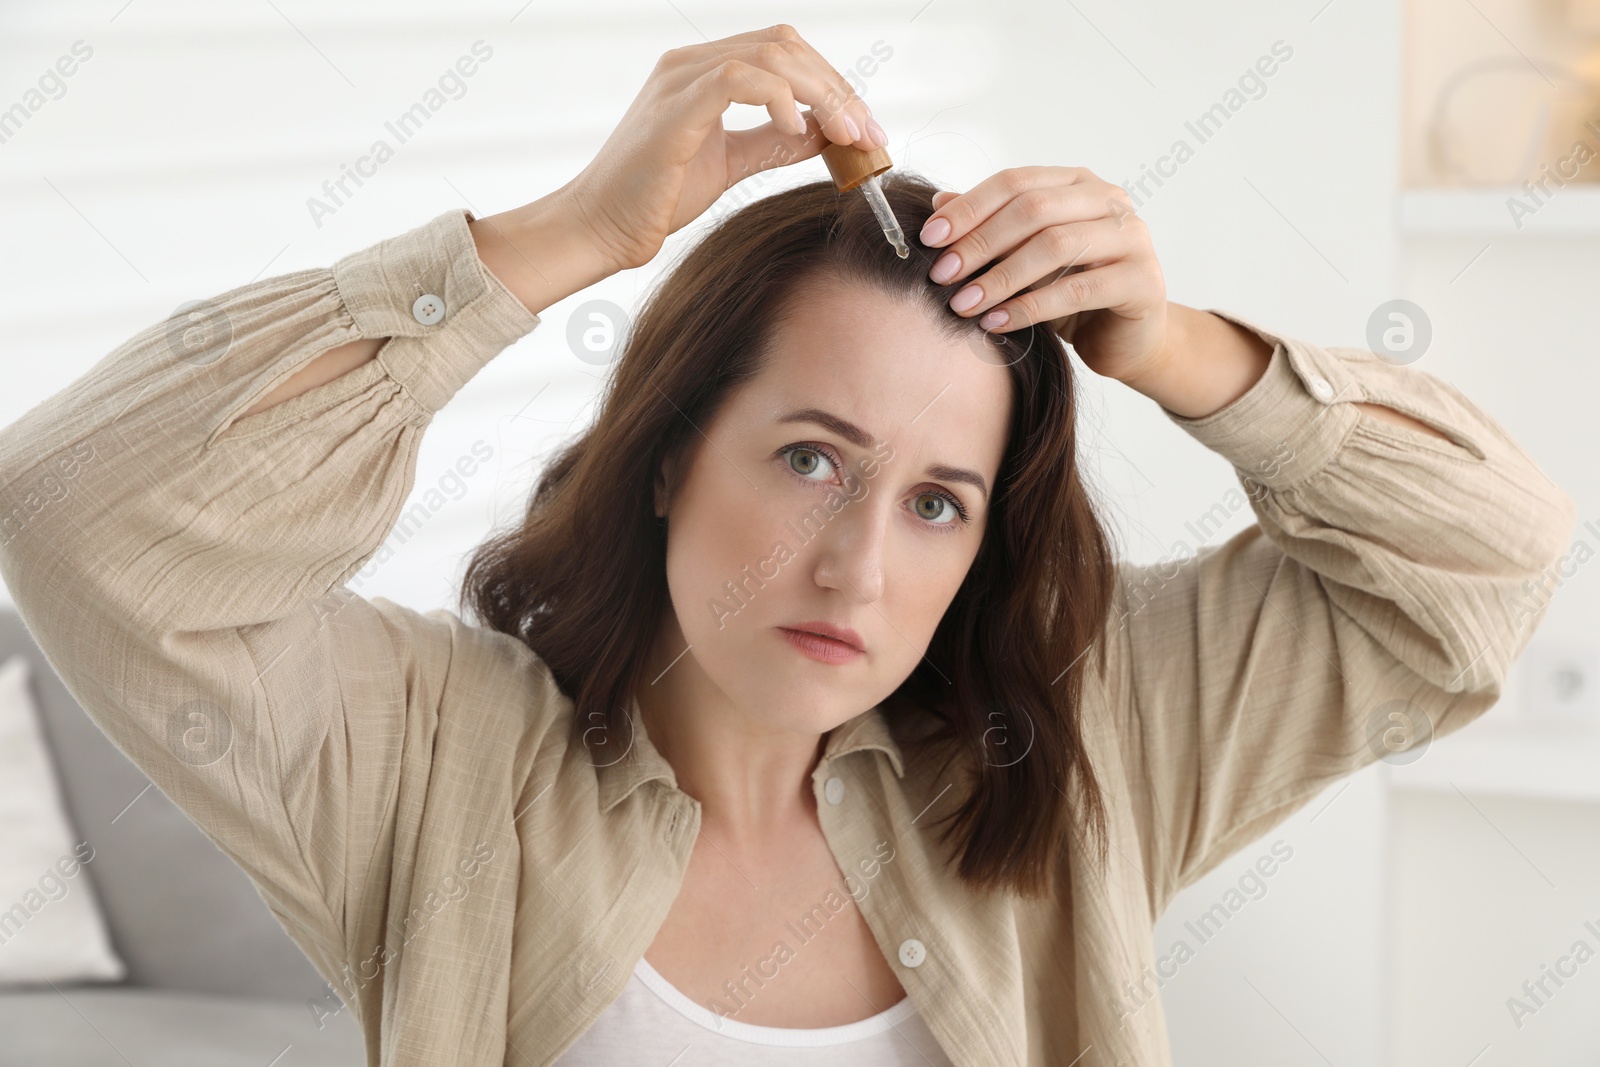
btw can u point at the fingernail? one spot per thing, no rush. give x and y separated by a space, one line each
877 132
801 117
966 298
946 268
852 128
935 230
994 319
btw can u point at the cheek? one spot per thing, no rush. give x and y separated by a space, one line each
925 595
717 530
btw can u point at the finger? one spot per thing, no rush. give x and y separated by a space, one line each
767 89
1047 255
735 81
684 64
765 147
1010 221
1018 221
837 98
842 115
1120 286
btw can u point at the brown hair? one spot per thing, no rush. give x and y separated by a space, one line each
582 579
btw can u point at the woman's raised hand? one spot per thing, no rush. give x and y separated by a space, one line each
1071 253
669 159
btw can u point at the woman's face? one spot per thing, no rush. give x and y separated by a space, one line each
832 488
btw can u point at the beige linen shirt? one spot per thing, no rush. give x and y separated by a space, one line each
400 787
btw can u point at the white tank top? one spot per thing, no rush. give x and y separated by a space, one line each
652 1024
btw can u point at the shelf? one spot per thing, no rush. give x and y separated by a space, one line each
1508 759
1570 209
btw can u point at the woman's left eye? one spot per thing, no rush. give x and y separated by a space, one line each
945 510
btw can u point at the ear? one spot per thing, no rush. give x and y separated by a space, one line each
666 478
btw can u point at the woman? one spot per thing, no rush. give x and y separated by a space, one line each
780 738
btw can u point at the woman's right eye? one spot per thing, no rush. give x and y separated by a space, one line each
806 461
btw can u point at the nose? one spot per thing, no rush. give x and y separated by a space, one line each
850 549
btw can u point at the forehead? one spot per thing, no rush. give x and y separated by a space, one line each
885 364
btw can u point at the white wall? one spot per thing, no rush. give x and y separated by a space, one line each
179 162
1283 215
1493 871
1490 884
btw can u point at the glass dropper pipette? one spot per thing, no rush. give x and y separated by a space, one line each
853 168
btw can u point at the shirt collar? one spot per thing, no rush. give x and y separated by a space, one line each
641 761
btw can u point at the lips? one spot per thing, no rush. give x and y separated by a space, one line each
842 634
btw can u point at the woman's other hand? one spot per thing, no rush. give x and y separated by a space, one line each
669 159
1071 253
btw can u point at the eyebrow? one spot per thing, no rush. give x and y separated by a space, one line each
862 439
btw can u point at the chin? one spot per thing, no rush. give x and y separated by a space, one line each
787 690
805 719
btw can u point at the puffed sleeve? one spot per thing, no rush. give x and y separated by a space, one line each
183 567
1376 604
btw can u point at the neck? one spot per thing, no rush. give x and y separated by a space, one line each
752 779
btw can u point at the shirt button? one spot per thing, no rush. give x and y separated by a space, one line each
912 952
1320 386
833 789
428 309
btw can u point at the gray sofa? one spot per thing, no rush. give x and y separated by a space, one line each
213 979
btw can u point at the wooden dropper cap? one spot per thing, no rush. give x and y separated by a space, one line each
850 166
